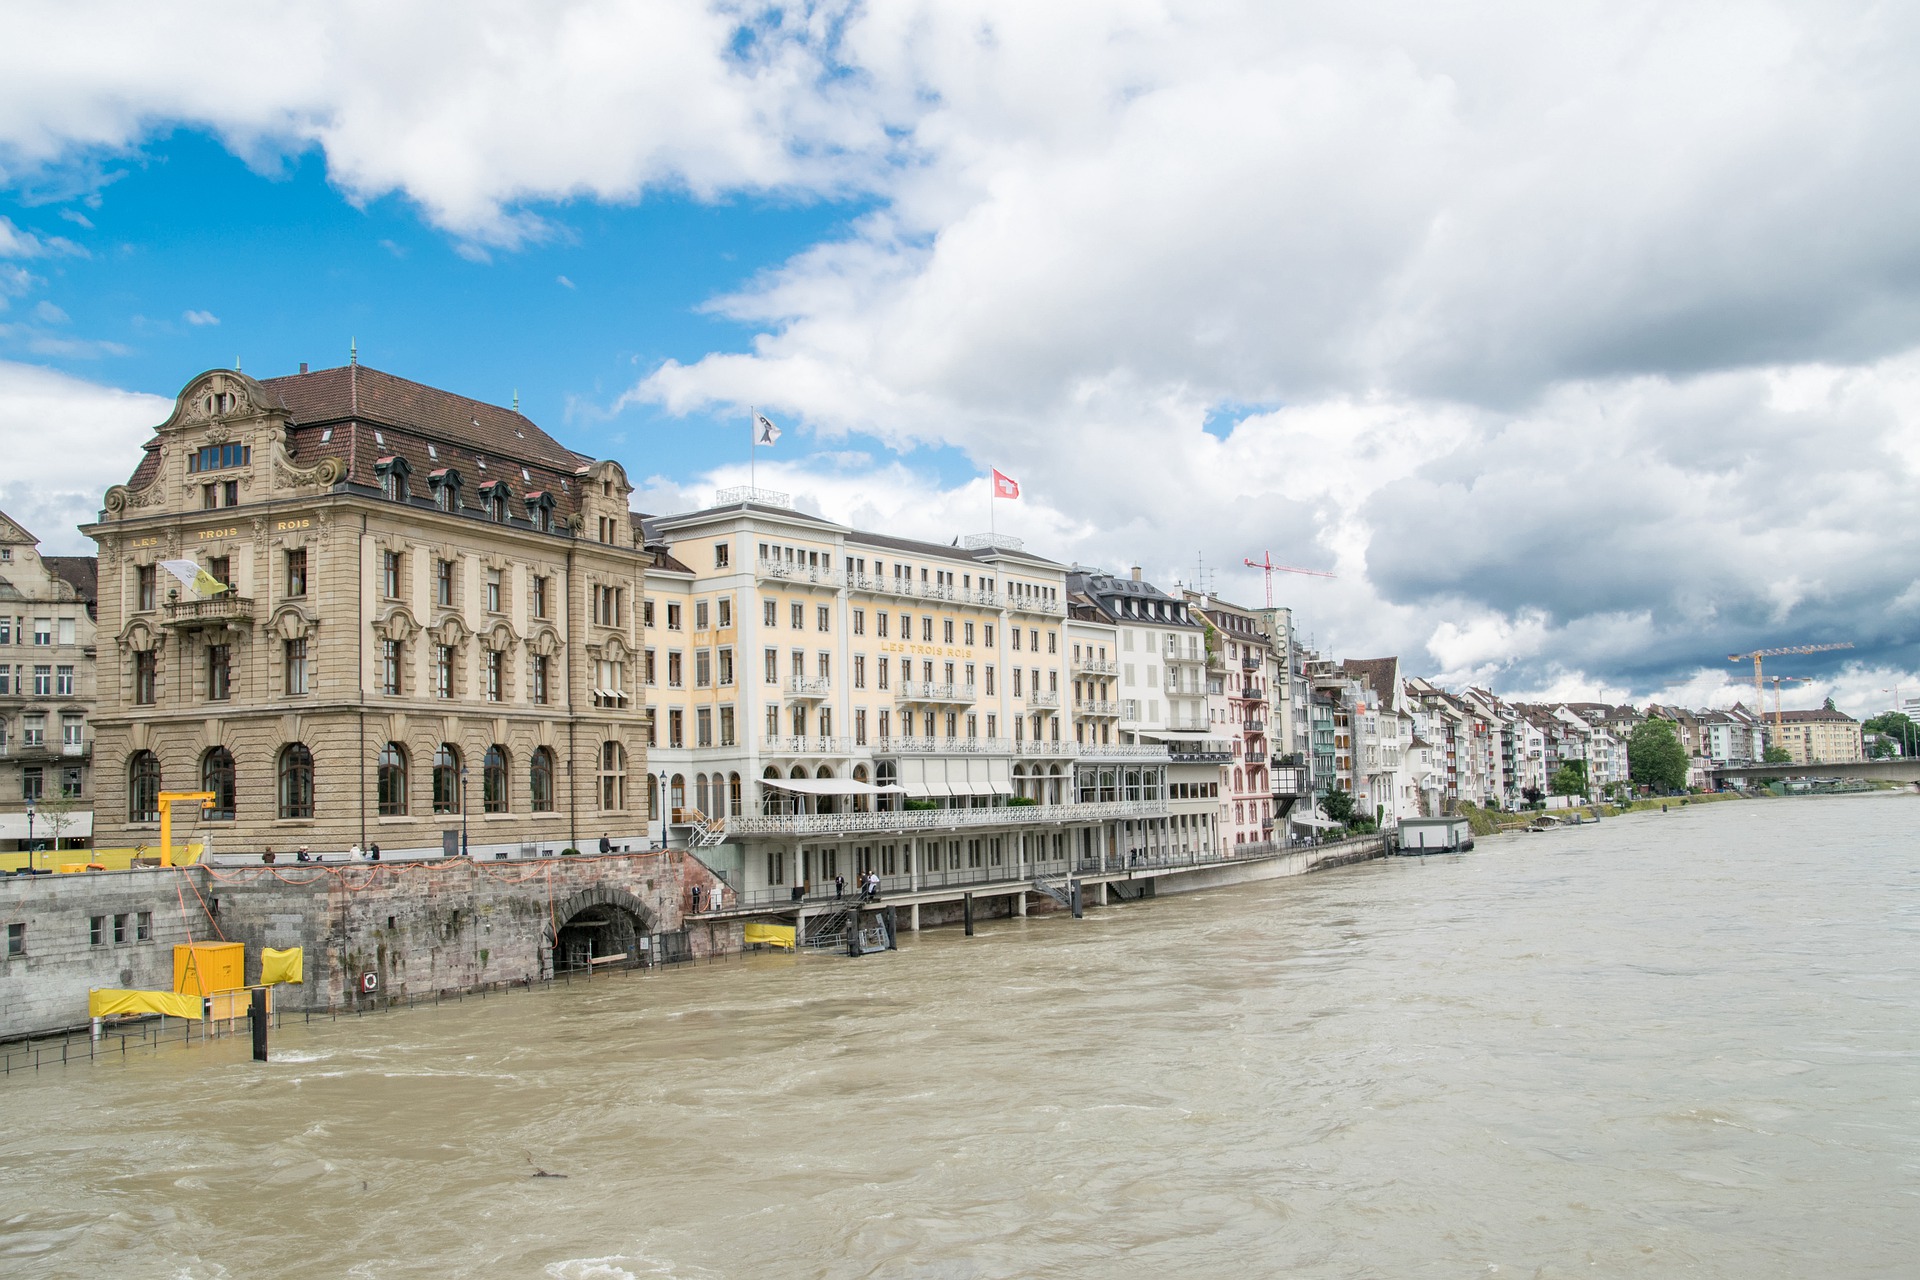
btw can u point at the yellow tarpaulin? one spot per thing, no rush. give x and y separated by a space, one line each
102 1001
279 966
772 935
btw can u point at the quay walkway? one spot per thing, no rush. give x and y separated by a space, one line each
1099 882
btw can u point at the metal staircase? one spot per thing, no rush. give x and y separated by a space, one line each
1057 888
705 832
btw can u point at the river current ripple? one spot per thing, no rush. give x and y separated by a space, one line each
1664 1045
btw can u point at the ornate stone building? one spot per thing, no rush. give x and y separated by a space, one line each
46 694
428 635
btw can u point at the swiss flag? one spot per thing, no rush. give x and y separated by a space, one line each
1005 486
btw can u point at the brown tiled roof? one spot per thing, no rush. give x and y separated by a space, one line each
1382 674
357 393
1822 715
82 573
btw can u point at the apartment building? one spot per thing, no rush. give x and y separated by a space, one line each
1822 736
46 694
423 638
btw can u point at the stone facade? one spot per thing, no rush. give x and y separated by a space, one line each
46 694
432 616
55 951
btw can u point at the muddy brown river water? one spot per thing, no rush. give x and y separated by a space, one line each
1660 1046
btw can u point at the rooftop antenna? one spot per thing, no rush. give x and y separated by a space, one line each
353 351
1202 576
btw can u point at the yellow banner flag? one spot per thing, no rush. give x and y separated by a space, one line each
208 585
103 1001
279 966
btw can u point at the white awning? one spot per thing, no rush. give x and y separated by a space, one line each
1308 820
828 786
79 825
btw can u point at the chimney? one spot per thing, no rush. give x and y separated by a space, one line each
1136 573
303 366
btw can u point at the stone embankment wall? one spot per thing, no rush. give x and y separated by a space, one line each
418 927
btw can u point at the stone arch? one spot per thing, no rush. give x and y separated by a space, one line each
601 921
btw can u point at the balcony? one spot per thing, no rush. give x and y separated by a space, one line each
943 747
1096 709
1253 728
939 591
985 599
1174 653
1200 752
908 820
1256 756
1144 751
1095 667
780 570
1250 693
1043 701
1045 750
223 610
927 691
809 690
1033 604
788 744
1250 662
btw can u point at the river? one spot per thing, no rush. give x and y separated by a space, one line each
1681 1044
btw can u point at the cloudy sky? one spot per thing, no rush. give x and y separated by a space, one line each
1581 341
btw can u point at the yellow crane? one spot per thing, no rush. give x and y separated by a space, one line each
1777 682
1760 693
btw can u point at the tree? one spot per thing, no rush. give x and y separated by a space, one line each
1571 780
1532 795
1655 757
1899 727
1777 754
1337 805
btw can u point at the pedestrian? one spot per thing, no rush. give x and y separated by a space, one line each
873 886
373 853
839 887
606 843
696 899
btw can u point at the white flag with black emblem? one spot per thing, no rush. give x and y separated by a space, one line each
764 432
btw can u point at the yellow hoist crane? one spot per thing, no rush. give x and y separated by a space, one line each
1777 682
1760 693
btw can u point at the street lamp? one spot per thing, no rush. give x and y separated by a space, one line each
30 866
463 812
665 812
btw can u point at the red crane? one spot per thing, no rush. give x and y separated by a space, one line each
1265 562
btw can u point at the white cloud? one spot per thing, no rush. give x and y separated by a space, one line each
199 317
68 440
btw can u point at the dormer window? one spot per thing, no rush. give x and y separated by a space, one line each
215 457
540 510
446 489
221 403
494 496
392 471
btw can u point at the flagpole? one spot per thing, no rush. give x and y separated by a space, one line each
753 454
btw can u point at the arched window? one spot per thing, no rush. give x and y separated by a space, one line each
733 794
390 776
446 779
677 791
143 787
540 780
613 777
1239 781
296 781
494 790
700 793
216 775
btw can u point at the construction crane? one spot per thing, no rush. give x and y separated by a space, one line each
1265 562
1759 693
1777 682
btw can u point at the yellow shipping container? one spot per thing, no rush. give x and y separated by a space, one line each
202 968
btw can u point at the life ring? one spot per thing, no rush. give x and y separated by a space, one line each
369 982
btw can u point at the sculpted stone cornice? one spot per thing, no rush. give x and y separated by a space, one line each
141 636
291 622
545 642
499 637
397 624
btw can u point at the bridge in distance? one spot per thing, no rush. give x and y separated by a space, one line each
1871 770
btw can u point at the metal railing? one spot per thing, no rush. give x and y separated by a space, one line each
804 824
1039 748
928 691
1032 604
938 591
943 746
1096 666
823 575
804 745
1124 751
1096 707
801 687
1042 701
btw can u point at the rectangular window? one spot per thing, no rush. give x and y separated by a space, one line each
726 668
297 571
699 615
97 931
67 626
494 660
43 680
390 667
703 727
676 728
823 665
723 612
295 664
1053 642
16 940
926 629
676 678
859 622
722 553
443 671
881 672
1016 639
968 633
773 666
43 631
673 616
703 671
390 575
219 672
986 634
143 926
539 673
143 587
886 724
726 726
860 727
145 678
1016 682
540 596
120 928
32 784
493 591
63 680
797 616
989 685
33 730
946 630
993 725
859 671
823 619
443 582
646 613
880 623
769 613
